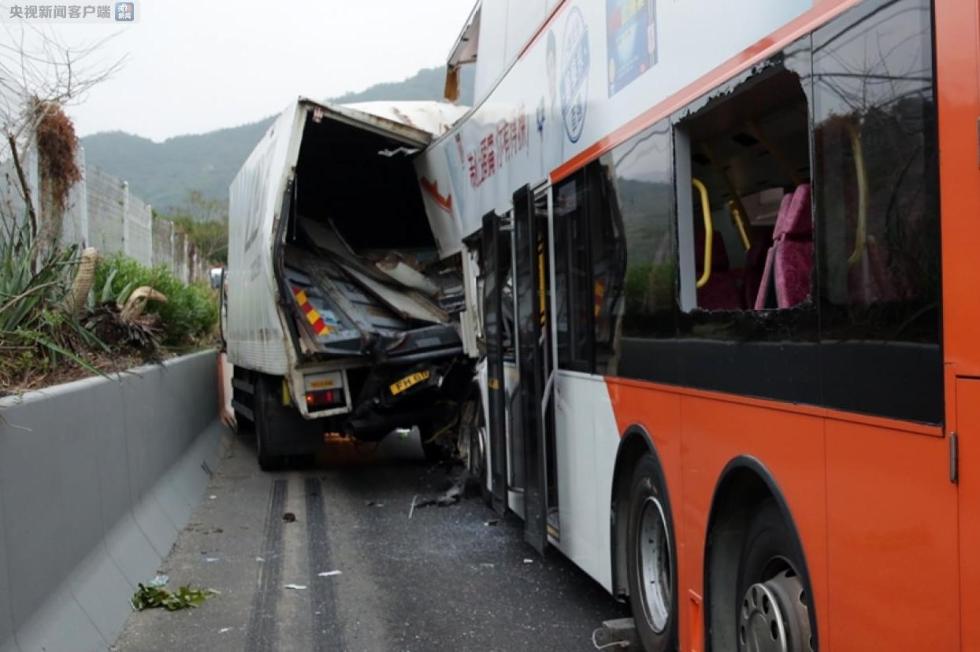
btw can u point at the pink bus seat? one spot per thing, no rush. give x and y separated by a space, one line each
794 251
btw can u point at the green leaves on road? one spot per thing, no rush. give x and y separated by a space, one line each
185 597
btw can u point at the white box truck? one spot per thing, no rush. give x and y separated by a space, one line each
339 312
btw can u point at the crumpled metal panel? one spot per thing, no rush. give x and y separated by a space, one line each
256 335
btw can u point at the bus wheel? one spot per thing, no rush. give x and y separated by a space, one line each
774 613
651 569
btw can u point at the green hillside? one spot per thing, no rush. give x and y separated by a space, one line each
164 173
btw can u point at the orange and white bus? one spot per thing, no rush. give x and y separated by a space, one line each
722 262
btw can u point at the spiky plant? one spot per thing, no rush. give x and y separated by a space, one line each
35 330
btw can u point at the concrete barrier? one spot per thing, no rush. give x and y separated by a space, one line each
97 477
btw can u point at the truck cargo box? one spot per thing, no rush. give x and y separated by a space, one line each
334 280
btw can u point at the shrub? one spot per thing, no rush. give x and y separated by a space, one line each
190 312
37 333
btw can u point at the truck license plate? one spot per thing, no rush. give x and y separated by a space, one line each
409 381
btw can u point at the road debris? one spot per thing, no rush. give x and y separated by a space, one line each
296 587
374 503
289 517
157 597
261 560
491 523
449 497
411 511
528 560
212 497
329 573
225 630
159 581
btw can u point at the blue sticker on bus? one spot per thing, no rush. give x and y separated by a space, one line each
631 40
575 74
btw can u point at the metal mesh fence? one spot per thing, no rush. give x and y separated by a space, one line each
180 267
139 232
13 208
163 242
106 211
74 223
101 212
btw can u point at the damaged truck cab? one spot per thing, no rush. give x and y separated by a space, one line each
340 313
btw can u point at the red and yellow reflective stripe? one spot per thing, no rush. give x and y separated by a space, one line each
312 316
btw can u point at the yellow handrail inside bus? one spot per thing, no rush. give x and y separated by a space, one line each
740 223
709 232
861 237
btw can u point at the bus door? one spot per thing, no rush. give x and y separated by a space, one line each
536 365
495 264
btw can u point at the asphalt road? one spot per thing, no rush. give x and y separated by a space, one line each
448 578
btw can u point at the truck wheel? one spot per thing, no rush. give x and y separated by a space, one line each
282 435
267 461
651 568
265 422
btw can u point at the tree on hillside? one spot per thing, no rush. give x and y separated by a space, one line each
203 208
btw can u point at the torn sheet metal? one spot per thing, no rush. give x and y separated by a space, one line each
404 274
408 304
404 298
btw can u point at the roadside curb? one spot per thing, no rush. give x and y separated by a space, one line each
97 477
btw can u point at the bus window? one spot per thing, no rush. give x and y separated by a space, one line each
877 188
877 174
573 273
741 155
639 269
814 178
608 243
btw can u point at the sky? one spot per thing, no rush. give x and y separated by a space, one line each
195 66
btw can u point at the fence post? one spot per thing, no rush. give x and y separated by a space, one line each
149 224
83 202
80 205
125 217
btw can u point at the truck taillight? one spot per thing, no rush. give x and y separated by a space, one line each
324 399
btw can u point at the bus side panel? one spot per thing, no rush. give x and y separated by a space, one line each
591 419
790 446
581 481
892 540
968 426
957 71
